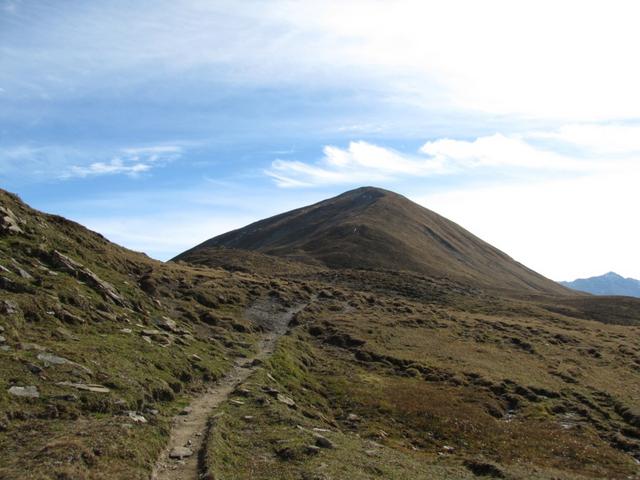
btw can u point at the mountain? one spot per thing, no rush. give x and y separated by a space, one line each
251 366
372 228
608 284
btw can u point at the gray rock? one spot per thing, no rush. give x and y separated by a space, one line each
86 387
26 392
136 417
9 223
323 442
2 339
180 452
286 400
167 324
312 449
52 359
78 270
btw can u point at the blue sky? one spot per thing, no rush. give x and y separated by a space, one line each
161 124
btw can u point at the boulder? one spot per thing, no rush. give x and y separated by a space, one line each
26 392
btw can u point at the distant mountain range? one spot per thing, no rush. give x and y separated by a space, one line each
608 284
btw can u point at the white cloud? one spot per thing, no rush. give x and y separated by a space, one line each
564 229
363 161
596 139
132 162
571 59
359 162
113 167
498 151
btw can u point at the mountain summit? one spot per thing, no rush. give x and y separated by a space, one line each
373 228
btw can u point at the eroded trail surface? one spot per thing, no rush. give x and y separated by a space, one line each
179 460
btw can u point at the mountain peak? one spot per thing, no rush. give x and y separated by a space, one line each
610 283
374 228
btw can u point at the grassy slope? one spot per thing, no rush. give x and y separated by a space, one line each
446 380
440 391
76 434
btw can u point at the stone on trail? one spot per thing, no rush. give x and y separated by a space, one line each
180 453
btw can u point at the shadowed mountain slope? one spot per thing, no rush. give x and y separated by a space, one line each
372 228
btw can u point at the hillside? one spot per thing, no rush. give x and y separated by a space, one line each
608 284
250 366
371 228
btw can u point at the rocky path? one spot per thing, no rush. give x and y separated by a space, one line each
179 460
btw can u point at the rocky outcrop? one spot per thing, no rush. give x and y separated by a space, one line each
9 223
81 272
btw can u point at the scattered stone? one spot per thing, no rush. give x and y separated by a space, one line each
147 339
180 453
312 450
186 411
167 324
196 357
33 368
64 333
1 329
137 418
271 391
352 417
86 387
248 418
2 339
236 402
9 223
126 330
52 359
79 271
5 348
286 400
323 442
243 392
26 392
70 318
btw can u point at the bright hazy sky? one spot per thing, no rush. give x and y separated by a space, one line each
163 123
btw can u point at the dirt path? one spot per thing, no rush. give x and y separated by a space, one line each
188 430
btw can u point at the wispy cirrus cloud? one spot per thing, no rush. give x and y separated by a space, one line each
131 161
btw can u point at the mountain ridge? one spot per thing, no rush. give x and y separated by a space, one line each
610 283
